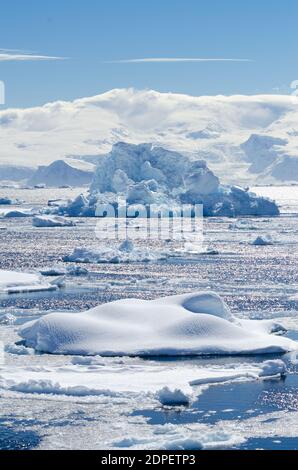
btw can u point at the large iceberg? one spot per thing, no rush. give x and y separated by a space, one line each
145 174
189 324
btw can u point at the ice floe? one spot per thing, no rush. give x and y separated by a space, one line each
14 213
189 324
182 437
12 282
169 385
126 252
52 221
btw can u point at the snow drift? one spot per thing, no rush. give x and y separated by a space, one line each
190 324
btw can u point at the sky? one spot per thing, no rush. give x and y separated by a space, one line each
66 49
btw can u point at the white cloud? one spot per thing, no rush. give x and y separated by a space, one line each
7 55
175 59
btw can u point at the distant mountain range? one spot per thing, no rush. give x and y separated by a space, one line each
244 139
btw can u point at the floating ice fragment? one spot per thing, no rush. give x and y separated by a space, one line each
52 221
174 397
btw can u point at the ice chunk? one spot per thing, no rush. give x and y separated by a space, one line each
52 221
272 368
124 253
195 324
53 271
200 180
262 240
18 349
174 397
18 213
6 201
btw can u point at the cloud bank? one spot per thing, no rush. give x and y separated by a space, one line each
210 127
175 59
7 55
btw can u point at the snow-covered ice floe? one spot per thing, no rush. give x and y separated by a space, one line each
168 385
189 324
51 221
14 213
12 282
180 437
126 252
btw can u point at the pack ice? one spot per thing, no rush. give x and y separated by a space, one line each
189 324
144 174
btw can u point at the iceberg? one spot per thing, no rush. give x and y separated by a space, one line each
189 324
146 174
12 282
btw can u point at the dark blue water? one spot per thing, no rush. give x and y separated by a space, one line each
14 439
233 402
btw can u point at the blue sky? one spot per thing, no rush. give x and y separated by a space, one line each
93 35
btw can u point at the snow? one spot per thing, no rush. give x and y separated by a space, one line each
63 173
262 150
208 127
190 324
52 221
12 282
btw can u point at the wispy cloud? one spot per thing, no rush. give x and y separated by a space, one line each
7 55
174 59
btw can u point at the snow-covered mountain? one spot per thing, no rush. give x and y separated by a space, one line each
15 172
64 172
212 128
